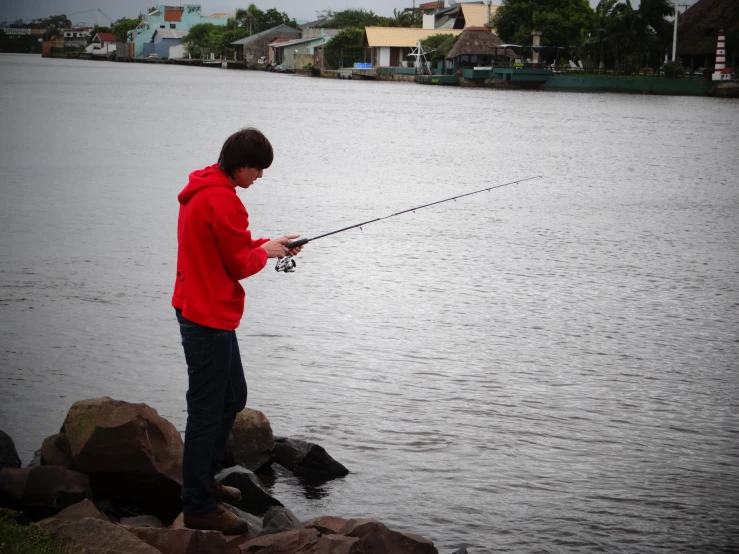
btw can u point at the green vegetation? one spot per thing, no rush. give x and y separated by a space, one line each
560 21
345 49
26 539
122 26
614 35
441 44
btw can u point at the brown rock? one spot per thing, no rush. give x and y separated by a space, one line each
375 537
251 441
81 510
290 542
279 520
142 521
94 536
42 490
131 454
255 498
180 541
337 544
326 525
55 451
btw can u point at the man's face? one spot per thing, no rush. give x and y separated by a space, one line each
246 176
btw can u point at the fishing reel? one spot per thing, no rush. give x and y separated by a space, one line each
286 265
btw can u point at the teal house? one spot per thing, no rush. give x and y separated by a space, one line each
170 17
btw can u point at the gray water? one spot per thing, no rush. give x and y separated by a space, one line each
547 367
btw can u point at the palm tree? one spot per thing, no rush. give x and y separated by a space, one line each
604 26
401 18
248 18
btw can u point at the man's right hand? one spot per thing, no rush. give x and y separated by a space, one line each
277 248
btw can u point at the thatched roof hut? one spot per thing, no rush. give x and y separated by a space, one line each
699 25
479 43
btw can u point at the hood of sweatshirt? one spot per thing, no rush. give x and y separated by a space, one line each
210 176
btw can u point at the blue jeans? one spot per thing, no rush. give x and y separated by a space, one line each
216 393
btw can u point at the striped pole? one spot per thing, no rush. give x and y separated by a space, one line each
720 56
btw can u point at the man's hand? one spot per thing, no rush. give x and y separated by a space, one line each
276 248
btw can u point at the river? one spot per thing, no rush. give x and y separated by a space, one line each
546 367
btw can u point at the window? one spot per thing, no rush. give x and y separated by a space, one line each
173 25
162 27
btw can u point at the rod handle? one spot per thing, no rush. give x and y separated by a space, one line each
296 243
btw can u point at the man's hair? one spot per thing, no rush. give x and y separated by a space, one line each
245 148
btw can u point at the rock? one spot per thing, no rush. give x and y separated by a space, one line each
94 536
255 498
326 525
180 541
36 461
279 520
251 441
336 544
142 521
290 542
306 458
44 490
460 550
81 510
131 454
55 451
8 454
376 537
109 509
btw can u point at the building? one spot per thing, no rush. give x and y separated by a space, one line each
170 17
250 49
458 15
102 44
298 53
163 42
478 47
697 33
76 37
391 46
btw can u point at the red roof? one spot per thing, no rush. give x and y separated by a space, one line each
432 5
107 37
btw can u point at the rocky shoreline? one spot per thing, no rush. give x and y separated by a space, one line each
110 482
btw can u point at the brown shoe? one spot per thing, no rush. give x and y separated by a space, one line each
222 493
218 519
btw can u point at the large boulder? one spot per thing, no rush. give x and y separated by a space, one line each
94 536
326 525
180 541
42 491
8 454
374 536
81 510
55 451
307 459
131 454
291 542
251 441
255 498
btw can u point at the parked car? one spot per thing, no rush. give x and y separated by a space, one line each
153 55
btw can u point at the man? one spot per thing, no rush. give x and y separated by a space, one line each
216 250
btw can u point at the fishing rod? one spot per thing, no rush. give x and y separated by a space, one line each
287 264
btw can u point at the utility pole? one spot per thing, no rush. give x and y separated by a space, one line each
674 33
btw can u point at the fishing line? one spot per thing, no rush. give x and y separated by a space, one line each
287 264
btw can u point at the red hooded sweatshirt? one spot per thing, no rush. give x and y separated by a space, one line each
215 250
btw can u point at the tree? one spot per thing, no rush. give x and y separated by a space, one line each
250 18
441 44
345 49
355 18
200 38
603 27
122 26
401 19
560 21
